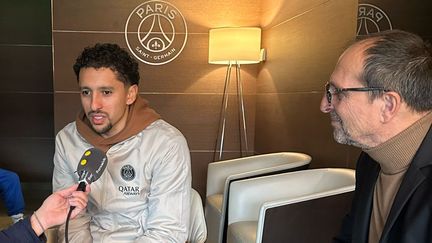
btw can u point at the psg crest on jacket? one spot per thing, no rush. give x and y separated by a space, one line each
127 172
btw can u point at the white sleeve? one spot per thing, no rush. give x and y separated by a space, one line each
169 197
63 177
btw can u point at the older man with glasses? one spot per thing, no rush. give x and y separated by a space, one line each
379 99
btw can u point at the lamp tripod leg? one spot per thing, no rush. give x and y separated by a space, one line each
242 116
222 116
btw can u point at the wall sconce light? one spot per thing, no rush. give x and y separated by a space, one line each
234 46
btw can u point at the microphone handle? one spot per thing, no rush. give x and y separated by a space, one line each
81 187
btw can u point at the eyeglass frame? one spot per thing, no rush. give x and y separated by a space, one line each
329 95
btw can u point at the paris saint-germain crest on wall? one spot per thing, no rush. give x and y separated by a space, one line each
156 32
371 19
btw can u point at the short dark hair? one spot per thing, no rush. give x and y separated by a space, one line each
402 62
107 55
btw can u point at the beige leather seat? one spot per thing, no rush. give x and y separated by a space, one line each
197 225
302 206
221 174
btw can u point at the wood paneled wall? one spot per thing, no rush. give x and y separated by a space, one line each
26 92
413 16
303 41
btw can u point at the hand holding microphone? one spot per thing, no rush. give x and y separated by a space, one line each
54 209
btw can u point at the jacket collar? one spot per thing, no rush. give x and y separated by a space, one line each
370 172
414 176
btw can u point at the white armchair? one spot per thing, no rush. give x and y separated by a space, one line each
221 174
302 206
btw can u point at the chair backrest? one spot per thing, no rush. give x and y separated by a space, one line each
248 196
220 173
197 224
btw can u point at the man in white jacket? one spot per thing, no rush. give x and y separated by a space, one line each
144 194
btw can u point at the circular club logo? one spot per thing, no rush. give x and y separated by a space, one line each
371 19
156 32
127 172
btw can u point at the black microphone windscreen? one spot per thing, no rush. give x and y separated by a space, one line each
91 165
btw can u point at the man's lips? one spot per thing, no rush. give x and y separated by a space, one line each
334 116
335 123
335 120
97 118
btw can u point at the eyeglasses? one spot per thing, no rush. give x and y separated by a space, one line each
331 90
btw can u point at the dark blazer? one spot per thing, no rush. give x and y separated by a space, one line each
410 218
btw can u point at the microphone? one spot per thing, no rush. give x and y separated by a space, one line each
91 166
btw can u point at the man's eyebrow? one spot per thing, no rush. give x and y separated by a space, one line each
98 88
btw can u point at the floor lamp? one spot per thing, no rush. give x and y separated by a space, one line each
233 47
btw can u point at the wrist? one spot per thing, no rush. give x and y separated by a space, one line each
36 224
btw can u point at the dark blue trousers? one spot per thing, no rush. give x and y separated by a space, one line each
10 192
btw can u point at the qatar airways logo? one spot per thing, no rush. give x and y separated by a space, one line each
156 32
129 190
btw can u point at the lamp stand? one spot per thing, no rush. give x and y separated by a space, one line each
223 114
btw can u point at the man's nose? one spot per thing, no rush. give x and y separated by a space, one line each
96 102
325 106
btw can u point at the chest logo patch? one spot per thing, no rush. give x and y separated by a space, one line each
127 172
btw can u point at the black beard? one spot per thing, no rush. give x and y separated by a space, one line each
104 130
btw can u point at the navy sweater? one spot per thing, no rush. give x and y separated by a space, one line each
21 232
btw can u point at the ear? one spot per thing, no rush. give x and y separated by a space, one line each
132 93
391 105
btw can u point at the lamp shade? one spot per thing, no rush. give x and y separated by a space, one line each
240 45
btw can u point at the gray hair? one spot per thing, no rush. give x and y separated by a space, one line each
401 62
